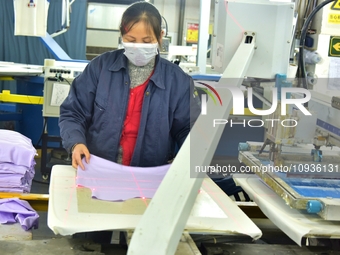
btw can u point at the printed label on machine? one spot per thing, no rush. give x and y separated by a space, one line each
59 93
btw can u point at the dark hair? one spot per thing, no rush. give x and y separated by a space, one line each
142 11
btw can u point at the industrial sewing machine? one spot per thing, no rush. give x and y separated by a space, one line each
299 158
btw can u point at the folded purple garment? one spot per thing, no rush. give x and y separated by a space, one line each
12 180
16 178
16 210
24 188
16 148
12 168
114 182
16 189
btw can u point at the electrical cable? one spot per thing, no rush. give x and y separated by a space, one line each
301 10
42 133
307 9
60 78
304 30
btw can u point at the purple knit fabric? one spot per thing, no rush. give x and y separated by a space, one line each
16 162
15 210
16 148
114 182
6 168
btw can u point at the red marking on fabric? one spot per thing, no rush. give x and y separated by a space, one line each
69 204
118 179
139 189
115 188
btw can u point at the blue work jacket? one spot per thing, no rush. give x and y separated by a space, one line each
95 109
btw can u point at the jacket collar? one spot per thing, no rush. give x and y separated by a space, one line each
121 63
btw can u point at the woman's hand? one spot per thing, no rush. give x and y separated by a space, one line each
78 152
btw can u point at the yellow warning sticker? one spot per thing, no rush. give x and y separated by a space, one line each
336 5
334 18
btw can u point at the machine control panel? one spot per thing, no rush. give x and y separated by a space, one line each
67 73
58 80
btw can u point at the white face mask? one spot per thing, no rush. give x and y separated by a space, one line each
140 53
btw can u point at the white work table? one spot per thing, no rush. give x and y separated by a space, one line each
72 210
15 69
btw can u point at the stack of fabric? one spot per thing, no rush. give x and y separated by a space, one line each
16 162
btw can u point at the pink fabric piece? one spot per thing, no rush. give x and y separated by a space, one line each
114 182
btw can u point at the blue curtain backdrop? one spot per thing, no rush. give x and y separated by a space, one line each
30 50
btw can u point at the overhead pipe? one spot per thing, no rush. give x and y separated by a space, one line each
181 22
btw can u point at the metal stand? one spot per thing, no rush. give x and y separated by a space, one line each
44 168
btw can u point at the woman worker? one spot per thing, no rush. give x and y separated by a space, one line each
130 106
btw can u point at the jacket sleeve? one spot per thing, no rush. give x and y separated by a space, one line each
76 110
187 111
